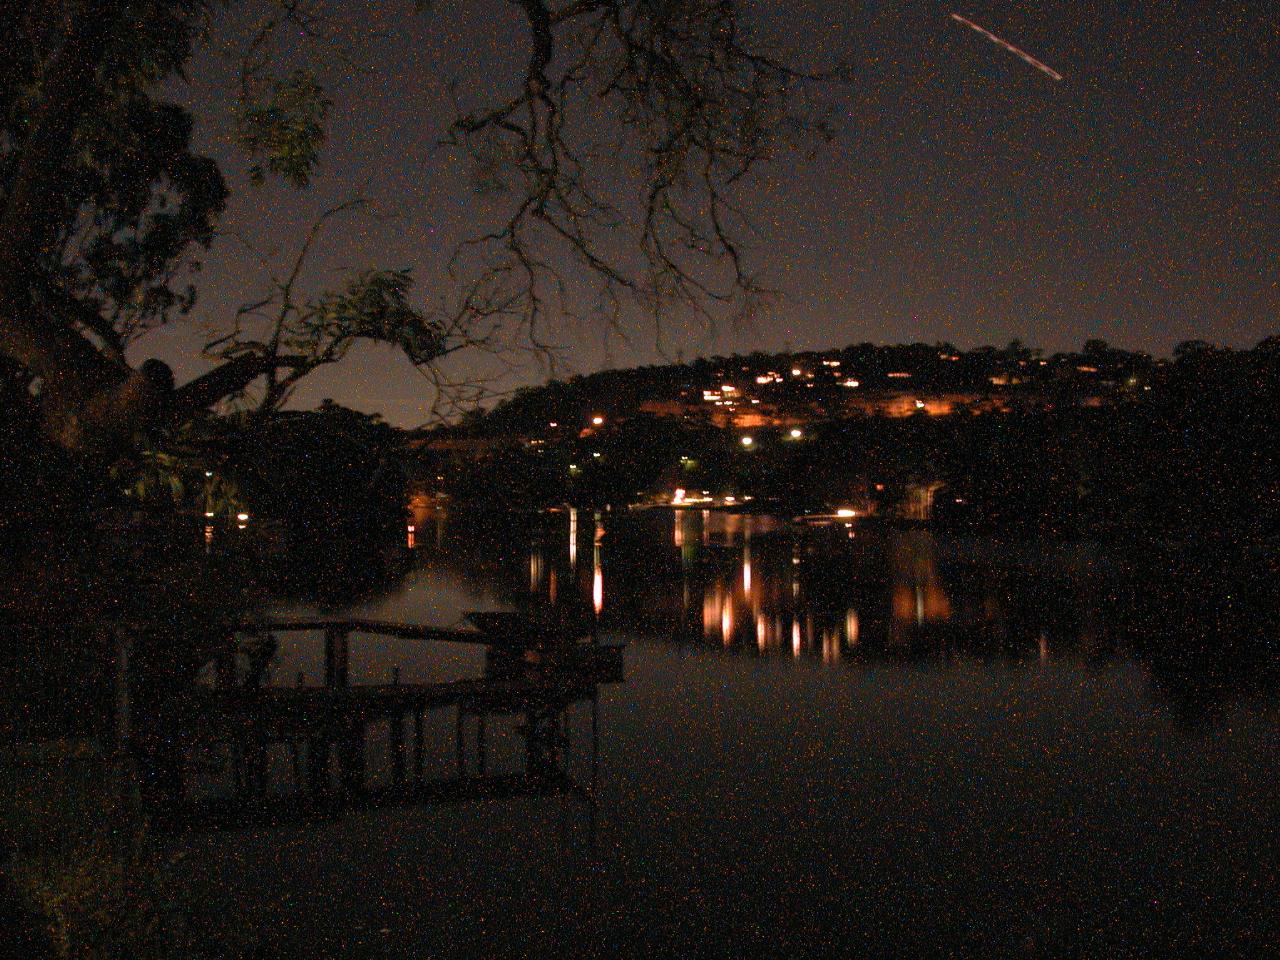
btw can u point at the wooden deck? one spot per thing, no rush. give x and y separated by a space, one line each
529 672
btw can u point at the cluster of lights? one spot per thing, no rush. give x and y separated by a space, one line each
682 497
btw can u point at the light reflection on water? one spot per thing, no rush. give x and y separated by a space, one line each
890 741
754 582
763 587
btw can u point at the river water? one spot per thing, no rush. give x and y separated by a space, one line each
839 740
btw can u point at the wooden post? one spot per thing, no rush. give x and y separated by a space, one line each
258 766
462 757
295 746
396 733
417 743
336 657
352 758
318 765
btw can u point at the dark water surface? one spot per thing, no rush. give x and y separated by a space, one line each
839 740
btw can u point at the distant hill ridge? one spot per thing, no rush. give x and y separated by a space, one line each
826 383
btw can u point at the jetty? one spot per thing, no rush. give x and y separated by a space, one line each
534 671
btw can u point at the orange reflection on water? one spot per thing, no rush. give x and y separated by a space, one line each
830 646
920 603
597 581
918 594
710 611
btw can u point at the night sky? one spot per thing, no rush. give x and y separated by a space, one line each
968 196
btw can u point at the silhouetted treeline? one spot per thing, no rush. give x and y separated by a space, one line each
814 383
1185 445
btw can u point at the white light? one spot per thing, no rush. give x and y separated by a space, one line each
208 513
242 517
595 454
597 420
747 441
796 433
846 512
208 473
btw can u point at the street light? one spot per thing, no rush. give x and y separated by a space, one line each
747 441
796 433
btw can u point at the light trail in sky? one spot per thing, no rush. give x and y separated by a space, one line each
1008 46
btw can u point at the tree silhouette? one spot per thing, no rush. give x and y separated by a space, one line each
105 210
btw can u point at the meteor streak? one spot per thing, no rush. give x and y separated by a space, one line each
1008 46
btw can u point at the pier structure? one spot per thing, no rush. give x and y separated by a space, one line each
533 673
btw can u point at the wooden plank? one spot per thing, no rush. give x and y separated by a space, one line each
403 631
520 635
219 715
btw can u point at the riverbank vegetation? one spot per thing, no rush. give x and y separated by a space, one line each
1129 444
